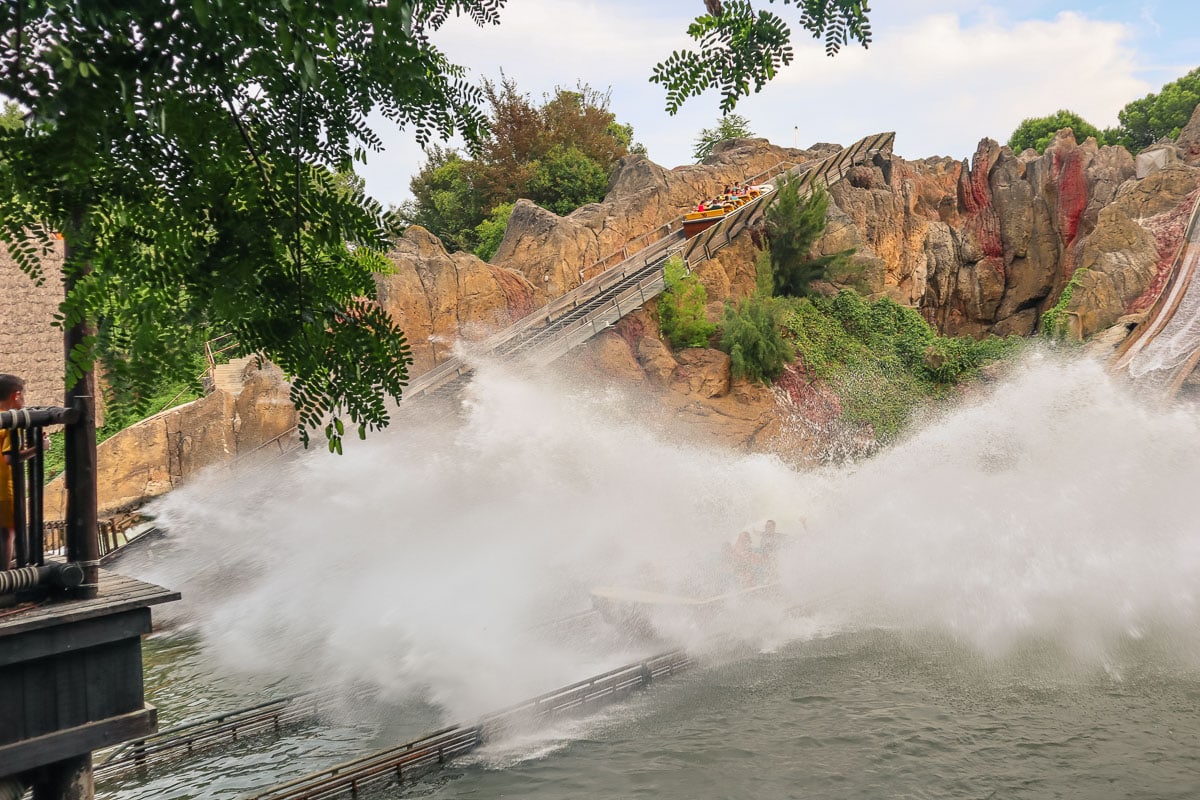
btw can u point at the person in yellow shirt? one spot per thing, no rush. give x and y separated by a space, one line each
12 397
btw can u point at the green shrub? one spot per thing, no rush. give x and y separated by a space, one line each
881 358
1055 322
752 335
490 232
1039 132
681 308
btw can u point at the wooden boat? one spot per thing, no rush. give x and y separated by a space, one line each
632 609
696 221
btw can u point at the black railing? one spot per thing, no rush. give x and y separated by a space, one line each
26 455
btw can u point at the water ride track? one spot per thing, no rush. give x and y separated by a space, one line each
1164 350
616 291
418 757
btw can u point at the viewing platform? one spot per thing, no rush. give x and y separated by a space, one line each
70 633
71 673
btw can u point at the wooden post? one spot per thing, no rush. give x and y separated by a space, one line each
83 536
69 779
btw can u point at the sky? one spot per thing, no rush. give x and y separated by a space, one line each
941 74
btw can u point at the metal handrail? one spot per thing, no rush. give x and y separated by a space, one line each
210 354
272 715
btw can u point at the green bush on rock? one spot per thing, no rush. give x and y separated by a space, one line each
681 308
752 334
881 358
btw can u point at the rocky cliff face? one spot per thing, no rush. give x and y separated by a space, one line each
987 246
983 246
157 454
553 251
980 246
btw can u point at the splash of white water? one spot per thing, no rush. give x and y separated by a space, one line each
423 559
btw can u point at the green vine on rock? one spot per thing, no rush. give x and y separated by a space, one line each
1056 321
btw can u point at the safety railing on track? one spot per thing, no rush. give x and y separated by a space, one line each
419 756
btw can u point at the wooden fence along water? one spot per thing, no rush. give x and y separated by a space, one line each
408 760
419 756
273 716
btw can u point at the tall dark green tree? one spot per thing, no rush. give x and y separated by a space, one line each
445 200
1038 132
559 153
794 222
1143 122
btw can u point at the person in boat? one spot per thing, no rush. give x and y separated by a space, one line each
745 560
702 205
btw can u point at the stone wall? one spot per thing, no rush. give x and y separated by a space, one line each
29 344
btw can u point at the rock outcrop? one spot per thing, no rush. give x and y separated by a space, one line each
980 247
1189 140
438 297
557 253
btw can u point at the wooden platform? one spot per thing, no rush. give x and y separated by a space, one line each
117 593
71 674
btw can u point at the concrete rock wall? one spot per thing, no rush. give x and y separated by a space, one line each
32 348
158 453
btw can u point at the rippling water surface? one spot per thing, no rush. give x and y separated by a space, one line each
877 715
865 715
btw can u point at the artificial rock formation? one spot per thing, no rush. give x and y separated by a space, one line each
438 297
32 347
557 253
980 247
158 453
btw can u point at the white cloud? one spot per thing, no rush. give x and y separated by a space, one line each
942 79
942 85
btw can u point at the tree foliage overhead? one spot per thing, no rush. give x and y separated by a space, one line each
1143 122
794 223
189 152
730 126
739 46
1038 132
559 154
